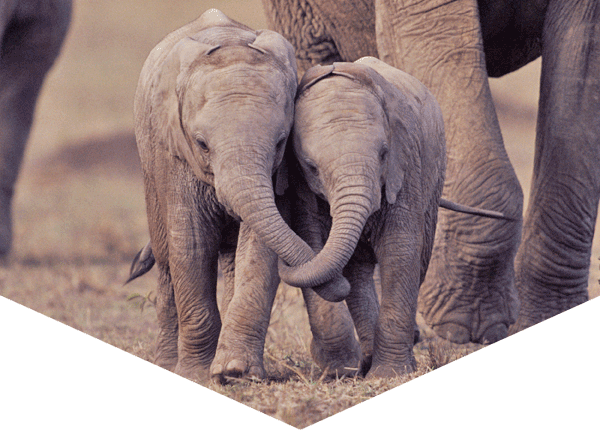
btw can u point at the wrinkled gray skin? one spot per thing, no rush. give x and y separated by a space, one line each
213 111
369 140
451 47
31 34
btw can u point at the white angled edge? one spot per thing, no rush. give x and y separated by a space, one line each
52 375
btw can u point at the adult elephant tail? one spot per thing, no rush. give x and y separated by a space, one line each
457 207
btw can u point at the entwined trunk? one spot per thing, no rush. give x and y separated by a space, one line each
350 213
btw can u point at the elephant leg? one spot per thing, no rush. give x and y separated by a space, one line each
241 343
363 302
554 257
166 349
227 264
29 44
194 238
334 347
304 27
166 354
194 276
398 249
468 294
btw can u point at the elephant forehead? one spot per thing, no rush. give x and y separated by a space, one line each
238 83
242 55
342 134
333 109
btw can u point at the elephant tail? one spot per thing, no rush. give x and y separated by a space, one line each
457 207
142 263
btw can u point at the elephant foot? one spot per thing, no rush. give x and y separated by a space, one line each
547 288
228 367
391 371
536 311
198 374
339 359
460 334
464 300
168 363
462 319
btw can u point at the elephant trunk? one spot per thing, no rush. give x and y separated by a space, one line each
251 197
350 213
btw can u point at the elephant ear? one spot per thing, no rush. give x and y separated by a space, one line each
314 75
405 129
272 43
426 108
403 144
166 101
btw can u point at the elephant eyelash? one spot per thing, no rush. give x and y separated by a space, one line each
202 144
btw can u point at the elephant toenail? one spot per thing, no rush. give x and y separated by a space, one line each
236 366
453 332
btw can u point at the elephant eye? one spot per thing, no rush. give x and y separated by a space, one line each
202 144
383 154
280 144
312 168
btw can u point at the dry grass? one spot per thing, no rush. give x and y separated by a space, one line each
80 217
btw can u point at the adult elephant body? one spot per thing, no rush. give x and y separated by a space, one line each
213 110
31 34
474 283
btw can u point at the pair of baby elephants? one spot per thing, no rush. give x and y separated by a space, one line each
359 183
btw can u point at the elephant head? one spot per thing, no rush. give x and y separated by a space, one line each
222 101
358 137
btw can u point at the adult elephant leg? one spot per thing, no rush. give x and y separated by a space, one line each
241 343
29 43
468 293
324 31
554 257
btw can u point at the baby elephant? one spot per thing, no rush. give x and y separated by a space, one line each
369 143
213 110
